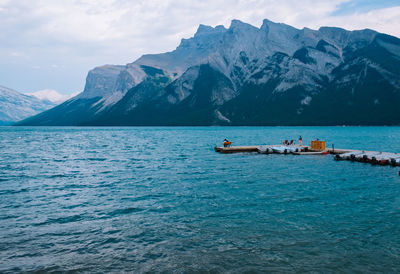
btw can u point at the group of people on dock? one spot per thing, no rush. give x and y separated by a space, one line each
228 143
287 143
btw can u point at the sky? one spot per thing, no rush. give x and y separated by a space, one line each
51 45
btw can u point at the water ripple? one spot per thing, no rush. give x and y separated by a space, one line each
161 200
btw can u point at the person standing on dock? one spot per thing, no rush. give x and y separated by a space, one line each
227 143
300 140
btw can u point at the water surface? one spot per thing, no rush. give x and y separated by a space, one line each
161 200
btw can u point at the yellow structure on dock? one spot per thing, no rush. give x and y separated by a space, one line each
318 145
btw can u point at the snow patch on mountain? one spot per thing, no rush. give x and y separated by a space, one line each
52 95
306 101
221 117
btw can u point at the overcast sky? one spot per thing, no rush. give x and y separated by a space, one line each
47 44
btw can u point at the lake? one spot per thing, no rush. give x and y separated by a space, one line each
159 199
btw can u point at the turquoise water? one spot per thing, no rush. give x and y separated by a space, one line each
161 200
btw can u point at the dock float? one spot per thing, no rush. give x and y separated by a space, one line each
236 149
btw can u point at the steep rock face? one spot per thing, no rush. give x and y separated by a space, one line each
110 83
244 75
365 90
157 101
100 81
105 86
15 106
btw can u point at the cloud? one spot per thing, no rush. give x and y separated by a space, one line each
16 54
80 34
363 6
385 20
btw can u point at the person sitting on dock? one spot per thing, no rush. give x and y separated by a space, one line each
291 142
227 143
286 142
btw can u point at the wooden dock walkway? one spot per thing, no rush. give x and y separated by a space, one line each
236 149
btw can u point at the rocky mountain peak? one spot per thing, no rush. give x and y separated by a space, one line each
100 81
239 25
275 74
207 30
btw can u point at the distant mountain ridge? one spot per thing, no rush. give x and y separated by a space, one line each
51 95
244 75
15 106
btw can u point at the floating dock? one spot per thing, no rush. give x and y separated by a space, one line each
372 157
242 149
236 149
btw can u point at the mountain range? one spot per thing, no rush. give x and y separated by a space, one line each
15 106
244 75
